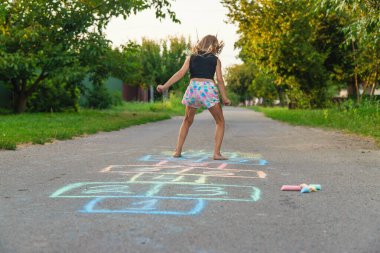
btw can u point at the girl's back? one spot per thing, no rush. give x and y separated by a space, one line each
203 66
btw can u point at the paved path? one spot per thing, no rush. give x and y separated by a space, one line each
121 191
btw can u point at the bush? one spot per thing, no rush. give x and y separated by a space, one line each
171 104
98 97
117 98
54 97
263 86
233 97
366 105
159 107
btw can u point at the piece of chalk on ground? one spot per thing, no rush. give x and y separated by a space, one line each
305 190
317 186
291 188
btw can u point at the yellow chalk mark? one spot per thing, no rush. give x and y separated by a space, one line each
135 177
107 169
201 180
261 174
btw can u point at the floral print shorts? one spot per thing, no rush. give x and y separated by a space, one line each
201 93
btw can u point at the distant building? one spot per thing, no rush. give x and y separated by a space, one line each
127 92
135 93
343 93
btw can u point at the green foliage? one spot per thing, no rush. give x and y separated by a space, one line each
300 45
173 104
174 53
151 61
263 86
117 98
156 107
5 97
41 38
98 97
58 93
123 63
362 36
233 97
126 63
239 78
161 59
363 118
54 98
39 128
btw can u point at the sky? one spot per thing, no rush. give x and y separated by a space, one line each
200 17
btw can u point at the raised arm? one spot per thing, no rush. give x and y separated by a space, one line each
220 83
176 77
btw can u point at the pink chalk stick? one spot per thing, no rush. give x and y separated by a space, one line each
291 188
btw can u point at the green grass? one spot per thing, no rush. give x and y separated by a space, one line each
40 128
362 120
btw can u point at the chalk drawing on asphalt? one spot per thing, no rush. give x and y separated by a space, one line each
160 184
203 156
145 205
184 170
216 192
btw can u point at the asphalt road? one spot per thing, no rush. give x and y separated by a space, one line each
122 192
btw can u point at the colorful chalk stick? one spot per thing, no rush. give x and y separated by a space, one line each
291 188
309 188
305 190
316 186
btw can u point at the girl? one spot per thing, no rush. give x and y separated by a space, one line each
202 91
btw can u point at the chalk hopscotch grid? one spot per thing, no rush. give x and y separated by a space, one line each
147 205
146 202
200 157
103 189
195 170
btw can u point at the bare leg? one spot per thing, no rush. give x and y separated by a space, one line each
217 113
187 121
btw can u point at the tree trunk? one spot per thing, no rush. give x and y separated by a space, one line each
375 81
20 103
281 96
21 92
351 90
356 73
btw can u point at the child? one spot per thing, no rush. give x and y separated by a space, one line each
202 91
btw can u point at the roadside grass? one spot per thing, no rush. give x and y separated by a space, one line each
362 120
40 128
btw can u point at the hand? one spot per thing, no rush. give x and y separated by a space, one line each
160 88
226 101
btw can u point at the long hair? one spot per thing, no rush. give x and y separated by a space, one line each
208 44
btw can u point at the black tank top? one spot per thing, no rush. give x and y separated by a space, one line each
203 66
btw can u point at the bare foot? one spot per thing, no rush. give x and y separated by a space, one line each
177 154
220 157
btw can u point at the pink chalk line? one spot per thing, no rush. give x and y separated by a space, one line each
222 166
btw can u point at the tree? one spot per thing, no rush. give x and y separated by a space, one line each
161 59
174 52
40 38
151 64
127 63
281 37
263 86
362 36
239 78
123 63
